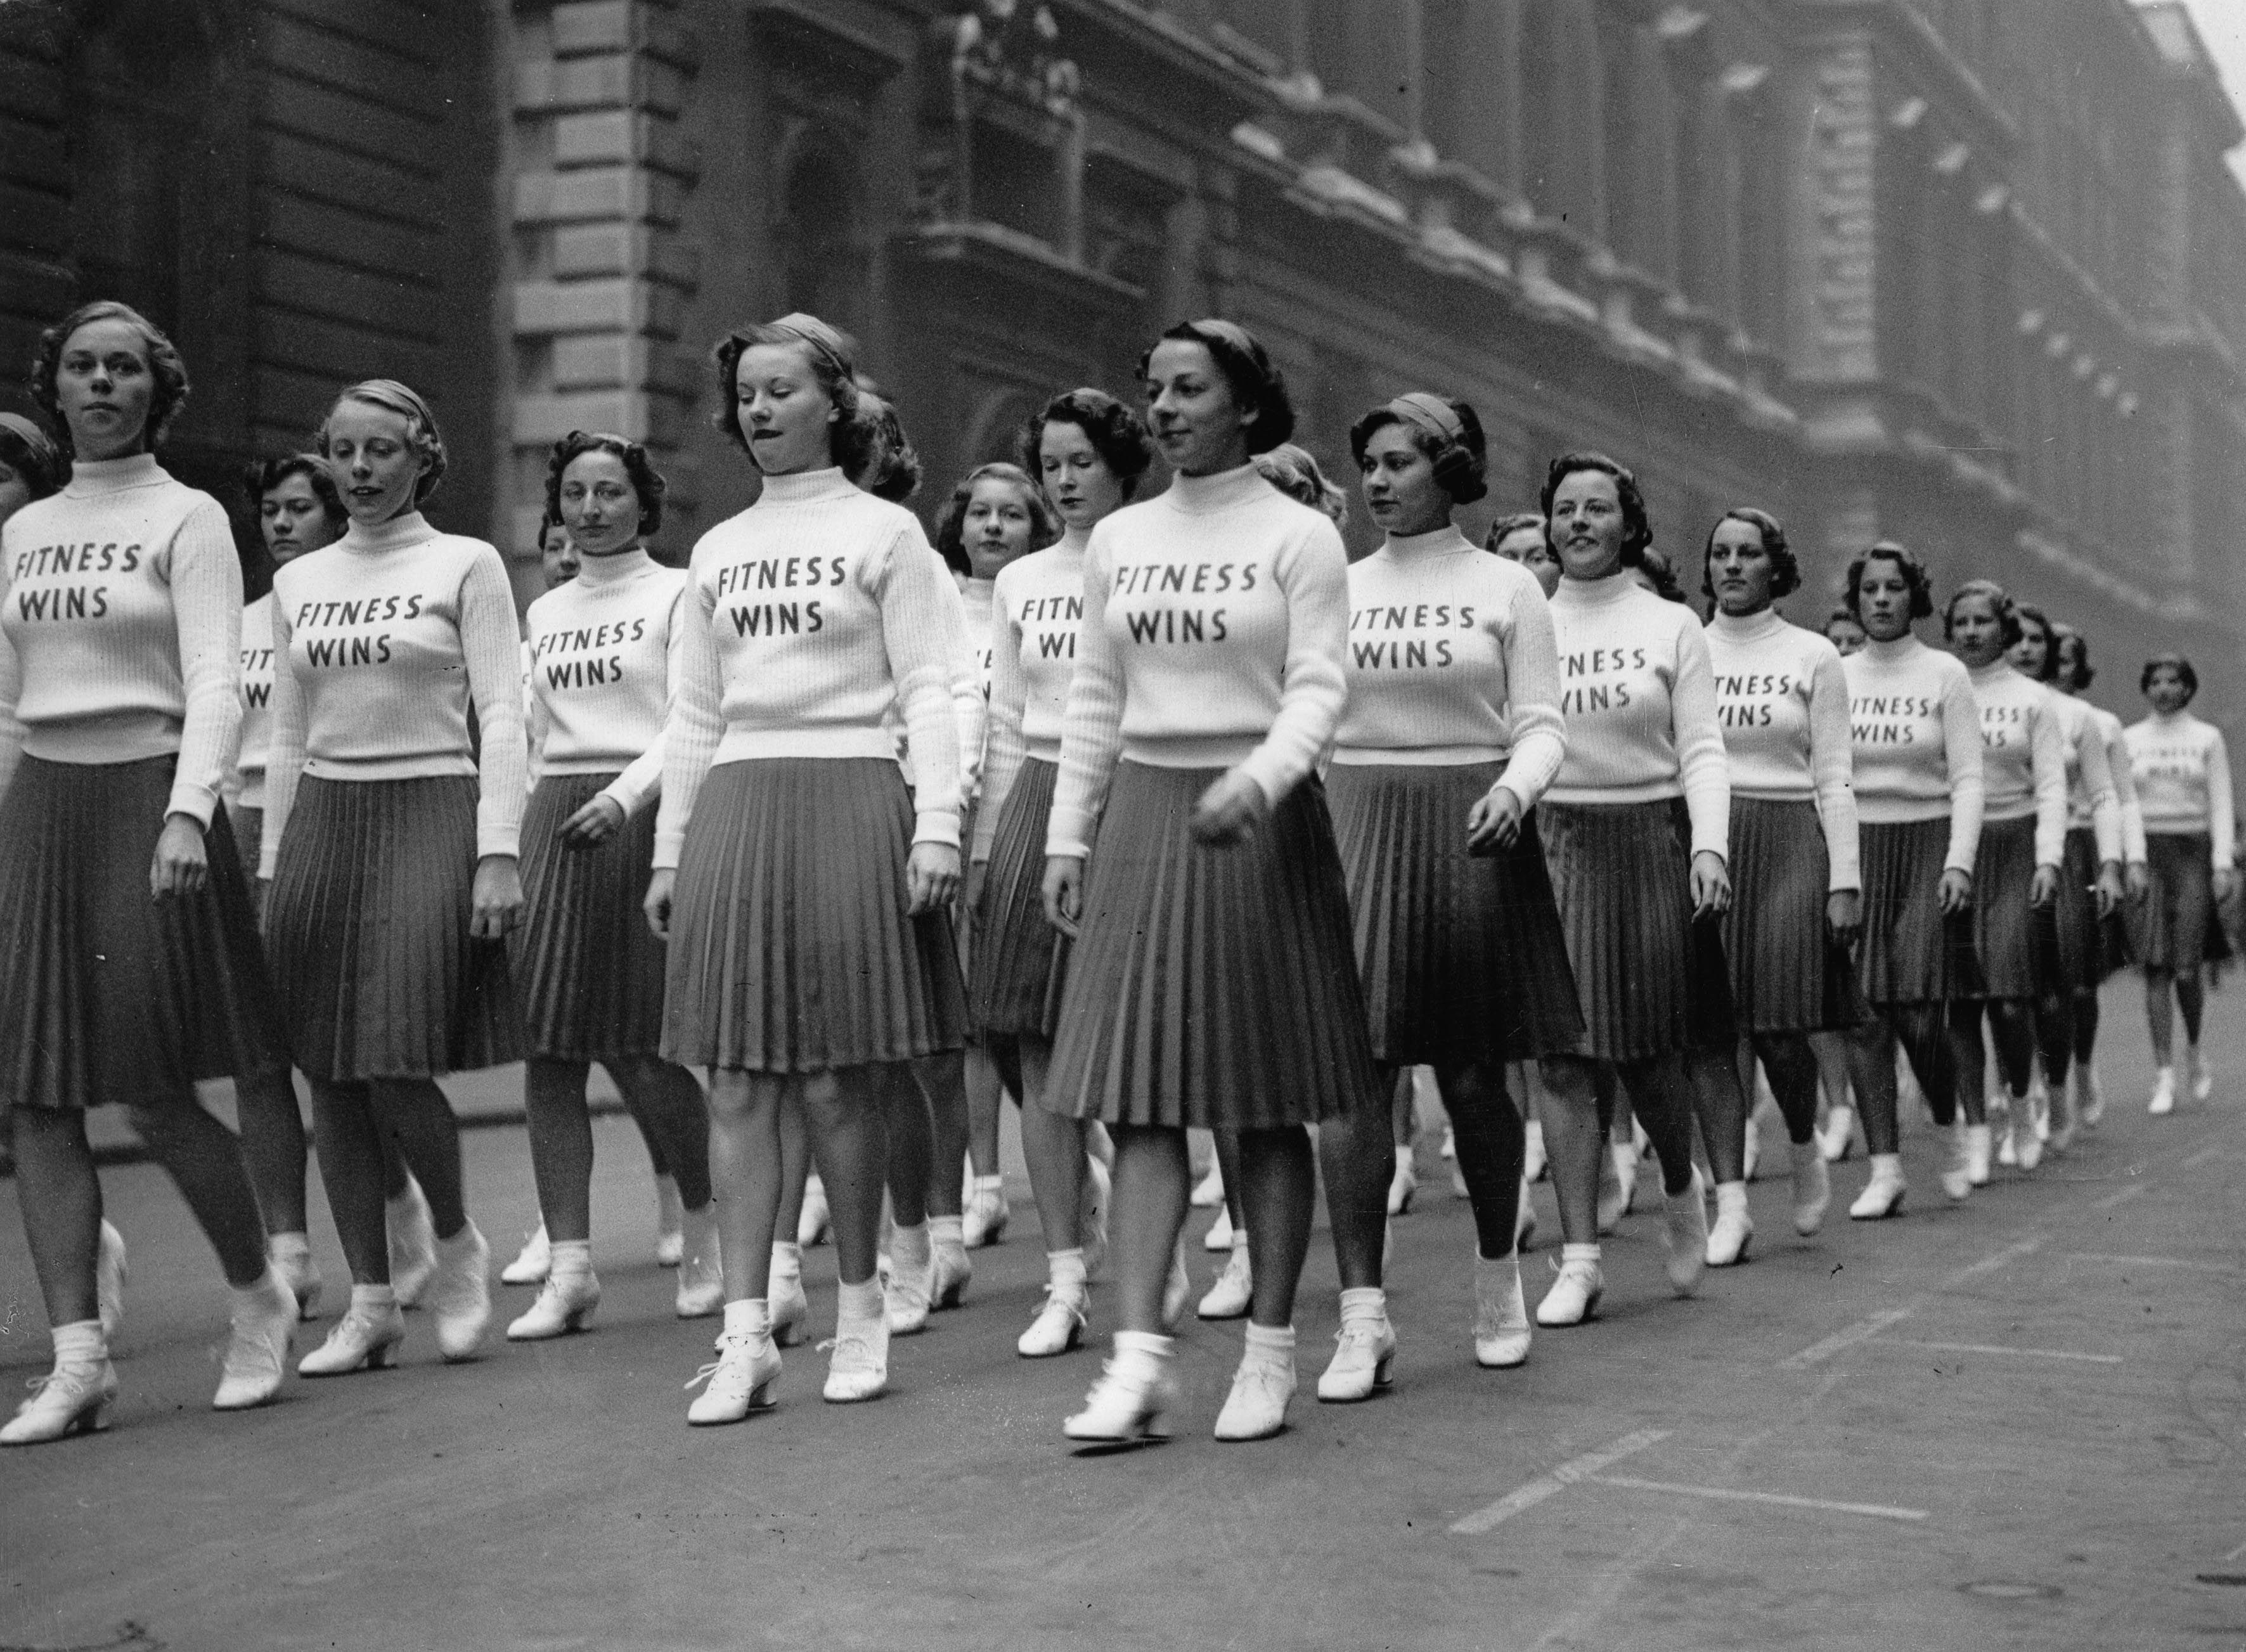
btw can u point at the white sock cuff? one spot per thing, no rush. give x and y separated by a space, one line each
80 1342
1579 1253
1065 1266
751 1316
1151 1343
991 1184
941 1228
860 1302
373 1299
1271 1339
1364 1301
1730 1193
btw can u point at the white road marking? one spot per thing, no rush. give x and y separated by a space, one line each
2237 1553
2121 1197
2202 1156
1817 1353
1725 1494
1575 1468
1991 1347
2149 1261
1989 1264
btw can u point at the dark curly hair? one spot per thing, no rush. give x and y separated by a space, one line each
1294 471
165 367
1785 567
261 476
2084 673
1999 601
1840 616
1116 433
832 358
951 521
1661 574
1506 526
646 481
421 432
1257 383
31 453
2028 613
1637 526
2170 662
1455 446
893 469
1913 576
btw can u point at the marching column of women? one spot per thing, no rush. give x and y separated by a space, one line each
1151 811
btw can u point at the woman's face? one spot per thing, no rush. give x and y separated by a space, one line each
786 415
2072 651
1529 547
600 506
2167 691
374 461
1400 489
293 519
2032 650
1587 525
1739 568
1078 481
1883 600
105 384
997 525
1198 425
15 491
557 556
1845 634
1976 630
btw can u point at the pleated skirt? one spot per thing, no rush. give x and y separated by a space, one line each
249 826
1212 987
107 993
591 971
1787 975
367 934
2070 940
791 950
1020 961
1462 956
2169 927
1910 952
2003 921
1651 980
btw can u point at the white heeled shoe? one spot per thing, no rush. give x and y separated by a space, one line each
65 1401
460 1294
1058 1325
1257 1407
533 1263
1574 1294
738 1381
559 1310
1228 1297
1501 1328
257 1349
360 1341
1363 1362
1134 1389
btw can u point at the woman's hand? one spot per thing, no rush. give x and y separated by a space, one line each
2136 881
1233 806
2226 881
1712 886
931 878
2107 890
497 897
656 903
1844 915
1494 823
1956 894
180 866
2043 888
1063 893
593 824
978 873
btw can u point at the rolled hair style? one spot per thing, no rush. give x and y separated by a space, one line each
1294 472
1257 383
1116 433
2170 660
165 367
1785 567
1913 576
2027 611
2007 611
1506 526
32 454
951 523
833 367
1638 526
261 476
646 482
1446 430
420 426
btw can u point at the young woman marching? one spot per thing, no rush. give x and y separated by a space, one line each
804 894
129 964
2016 870
1915 730
1452 735
1213 981
1798 902
2071 932
1636 829
605 650
1091 451
1520 538
2181 769
390 840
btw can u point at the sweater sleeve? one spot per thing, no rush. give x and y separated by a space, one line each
691 729
537 721
2047 753
1831 769
493 653
284 752
2124 792
206 581
643 776
1092 726
1960 744
926 650
12 691
1702 768
1002 747
1314 684
2221 826
2098 781
1539 733
969 712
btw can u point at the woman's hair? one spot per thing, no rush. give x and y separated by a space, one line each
1116 433
1913 576
1293 473
1654 563
2000 604
1785 567
421 432
32 454
1842 616
2028 613
1257 383
2172 661
832 358
1506 526
261 476
1447 430
951 522
646 481
1637 526
893 468
169 372
2085 673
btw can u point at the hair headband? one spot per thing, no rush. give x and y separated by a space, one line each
1430 413
40 446
820 336
1231 332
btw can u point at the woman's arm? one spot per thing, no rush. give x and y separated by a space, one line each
284 754
1832 768
1092 727
205 575
1537 730
1697 726
1002 747
492 653
1961 744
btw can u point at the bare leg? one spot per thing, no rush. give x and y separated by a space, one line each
1660 1093
944 1078
667 1104
561 1145
1573 1141
794 1167
354 1172
204 1160
413 1114
744 1174
1151 1184
1279 1177
853 1115
1357 1153
2191 998
985 1096
1054 1147
1492 1143
1718 1102
273 1146
61 1201
2160 1015
1792 1068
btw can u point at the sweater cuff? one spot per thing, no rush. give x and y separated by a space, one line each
1068 833
667 846
937 825
197 801
498 840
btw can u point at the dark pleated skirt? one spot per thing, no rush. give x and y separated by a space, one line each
368 934
2168 929
2070 944
591 970
107 993
1787 975
1651 979
791 950
1212 987
2003 921
1020 961
1910 953
1462 955
248 839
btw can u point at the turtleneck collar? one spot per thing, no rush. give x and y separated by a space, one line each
411 528
1446 540
1995 670
804 487
91 477
1219 491
1894 649
615 569
1073 540
1615 587
1747 628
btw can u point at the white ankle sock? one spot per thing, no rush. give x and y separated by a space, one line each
573 1261
1240 1241
375 1302
945 1230
1579 1253
460 1244
1145 1344
266 1296
751 1316
79 1345
1065 1269
292 1246
860 1302
1272 1343
787 1260
910 1247
1887 1167
989 1183
1365 1301
1730 1196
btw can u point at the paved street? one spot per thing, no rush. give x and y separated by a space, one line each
2012 1424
